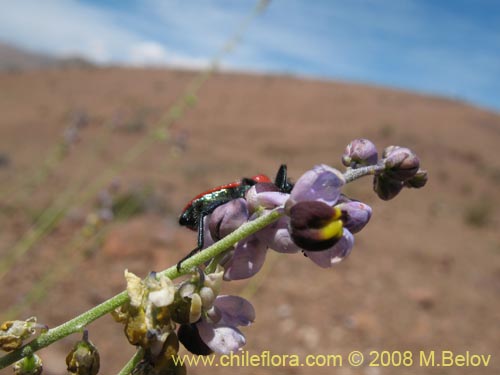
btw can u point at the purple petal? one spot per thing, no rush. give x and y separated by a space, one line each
321 183
221 338
360 152
227 218
335 254
236 311
277 237
247 259
259 197
355 215
207 236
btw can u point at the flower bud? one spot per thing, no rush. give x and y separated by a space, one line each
214 280
417 181
84 358
30 365
195 308
227 218
386 187
400 162
187 289
360 152
314 225
355 215
207 297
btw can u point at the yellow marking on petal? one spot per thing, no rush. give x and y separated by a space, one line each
331 230
337 213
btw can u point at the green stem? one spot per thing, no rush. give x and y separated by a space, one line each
130 365
80 322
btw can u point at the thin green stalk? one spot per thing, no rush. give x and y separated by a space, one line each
353 174
80 322
134 361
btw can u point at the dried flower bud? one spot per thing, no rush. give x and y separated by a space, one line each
136 328
147 315
314 225
360 152
13 333
165 362
135 288
417 181
386 187
161 290
400 162
31 365
84 358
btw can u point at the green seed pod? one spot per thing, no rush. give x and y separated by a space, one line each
31 365
84 358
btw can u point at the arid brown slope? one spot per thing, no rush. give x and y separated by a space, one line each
424 274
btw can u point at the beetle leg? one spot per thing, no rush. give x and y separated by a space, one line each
281 180
200 241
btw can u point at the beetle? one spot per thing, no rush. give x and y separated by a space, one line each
205 203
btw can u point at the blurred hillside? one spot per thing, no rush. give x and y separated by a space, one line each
14 59
424 274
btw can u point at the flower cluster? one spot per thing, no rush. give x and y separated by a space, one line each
161 314
318 220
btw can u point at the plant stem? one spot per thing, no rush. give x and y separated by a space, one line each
80 322
130 365
353 174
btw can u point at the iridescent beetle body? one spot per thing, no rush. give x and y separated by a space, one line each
205 203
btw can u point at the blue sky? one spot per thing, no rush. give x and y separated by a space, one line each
444 47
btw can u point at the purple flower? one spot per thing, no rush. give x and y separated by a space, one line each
217 330
318 221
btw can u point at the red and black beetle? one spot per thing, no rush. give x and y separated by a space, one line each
205 203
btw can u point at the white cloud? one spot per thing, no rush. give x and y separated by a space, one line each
150 53
103 35
64 28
